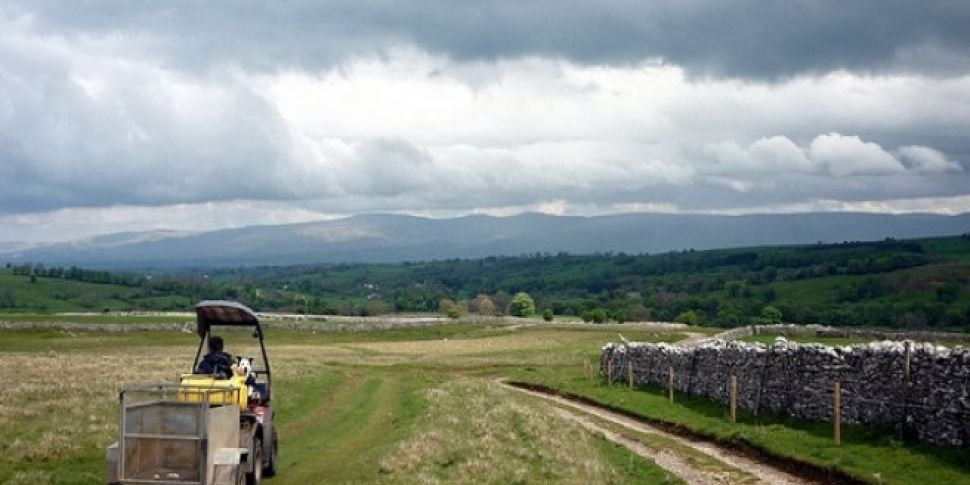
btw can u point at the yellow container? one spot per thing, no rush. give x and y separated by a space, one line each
194 388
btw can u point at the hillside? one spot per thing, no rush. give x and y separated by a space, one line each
900 283
396 238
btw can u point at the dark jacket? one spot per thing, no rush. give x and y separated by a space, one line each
217 363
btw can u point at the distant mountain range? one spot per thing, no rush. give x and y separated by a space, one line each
395 238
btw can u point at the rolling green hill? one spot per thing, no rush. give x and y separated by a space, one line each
896 283
44 294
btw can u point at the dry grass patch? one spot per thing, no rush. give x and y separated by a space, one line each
57 405
474 431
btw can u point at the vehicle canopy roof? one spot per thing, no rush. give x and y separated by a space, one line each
224 312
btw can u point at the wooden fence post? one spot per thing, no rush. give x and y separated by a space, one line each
734 398
609 372
907 362
629 371
837 412
670 384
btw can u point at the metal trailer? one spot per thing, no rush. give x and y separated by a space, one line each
202 431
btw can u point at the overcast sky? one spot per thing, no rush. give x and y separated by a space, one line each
128 116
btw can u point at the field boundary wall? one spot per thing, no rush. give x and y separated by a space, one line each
919 389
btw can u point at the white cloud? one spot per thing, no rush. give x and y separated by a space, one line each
101 121
849 155
554 207
926 159
926 205
765 155
80 222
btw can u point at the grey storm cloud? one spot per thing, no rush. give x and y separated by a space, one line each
745 38
458 106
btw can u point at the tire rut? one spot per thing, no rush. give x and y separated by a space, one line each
667 459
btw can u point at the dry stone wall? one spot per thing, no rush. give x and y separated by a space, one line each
921 389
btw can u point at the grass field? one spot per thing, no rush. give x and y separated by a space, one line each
62 295
866 454
401 406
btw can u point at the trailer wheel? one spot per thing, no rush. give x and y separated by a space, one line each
254 477
274 456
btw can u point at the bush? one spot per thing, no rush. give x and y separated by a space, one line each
547 315
483 305
598 315
618 316
731 316
446 304
690 317
522 305
770 315
454 313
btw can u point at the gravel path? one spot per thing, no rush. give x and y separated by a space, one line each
666 458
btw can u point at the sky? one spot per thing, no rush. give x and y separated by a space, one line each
123 116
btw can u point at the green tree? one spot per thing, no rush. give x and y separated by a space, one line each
454 313
735 289
376 307
770 315
947 292
446 304
690 317
522 305
638 312
547 315
598 315
731 316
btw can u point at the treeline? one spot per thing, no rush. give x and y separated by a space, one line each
76 274
886 283
722 287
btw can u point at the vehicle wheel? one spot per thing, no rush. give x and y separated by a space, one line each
274 456
256 475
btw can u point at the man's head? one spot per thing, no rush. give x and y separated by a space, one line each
215 344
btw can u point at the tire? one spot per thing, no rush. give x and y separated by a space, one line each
254 477
274 456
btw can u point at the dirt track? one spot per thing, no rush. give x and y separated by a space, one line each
734 466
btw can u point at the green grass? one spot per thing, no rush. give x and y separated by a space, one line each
867 454
630 467
948 248
95 318
63 295
345 401
340 424
405 406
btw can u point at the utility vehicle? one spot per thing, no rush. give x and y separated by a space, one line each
205 429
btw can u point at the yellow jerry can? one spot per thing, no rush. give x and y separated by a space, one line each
195 388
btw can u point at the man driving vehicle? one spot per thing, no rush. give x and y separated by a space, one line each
216 362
